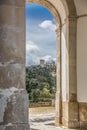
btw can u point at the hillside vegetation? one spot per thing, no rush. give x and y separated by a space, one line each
40 83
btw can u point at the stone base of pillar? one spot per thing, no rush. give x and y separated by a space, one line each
74 115
57 121
67 124
70 114
58 106
15 127
83 114
14 106
83 124
70 124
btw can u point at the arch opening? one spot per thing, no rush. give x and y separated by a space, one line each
40 64
60 90
65 19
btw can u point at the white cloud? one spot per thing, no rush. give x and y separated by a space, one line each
31 47
47 24
32 51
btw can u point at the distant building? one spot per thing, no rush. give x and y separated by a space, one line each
42 63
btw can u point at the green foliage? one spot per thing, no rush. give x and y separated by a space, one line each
40 84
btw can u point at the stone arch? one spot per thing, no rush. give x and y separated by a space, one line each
67 19
69 7
47 4
13 94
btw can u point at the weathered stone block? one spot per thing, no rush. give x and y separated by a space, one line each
15 127
12 2
73 112
12 75
12 45
12 16
83 124
83 111
14 107
9 15
19 127
83 115
20 17
2 127
65 113
20 108
70 114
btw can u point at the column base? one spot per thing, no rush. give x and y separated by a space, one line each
70 114
70 124
57 121
83 114
15 127
83 124
74 115
14 109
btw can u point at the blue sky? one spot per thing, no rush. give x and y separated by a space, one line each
40 34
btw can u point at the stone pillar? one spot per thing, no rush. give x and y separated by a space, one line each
58 88
70 107
13 96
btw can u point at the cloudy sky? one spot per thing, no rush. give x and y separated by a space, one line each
40 34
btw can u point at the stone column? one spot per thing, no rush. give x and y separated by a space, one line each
13 96
70 118
58 79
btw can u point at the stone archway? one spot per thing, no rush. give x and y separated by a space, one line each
13 96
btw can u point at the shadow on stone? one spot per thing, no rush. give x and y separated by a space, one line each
52 124
34 129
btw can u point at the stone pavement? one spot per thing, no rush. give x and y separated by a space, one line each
45 122
43 118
